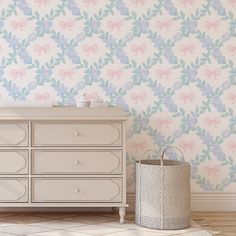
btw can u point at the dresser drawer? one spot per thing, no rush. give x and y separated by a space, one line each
76 162
77 134
13 134
76 189
13 190
13 162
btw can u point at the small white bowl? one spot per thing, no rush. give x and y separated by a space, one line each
83 104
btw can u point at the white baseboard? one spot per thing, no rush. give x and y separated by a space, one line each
204 201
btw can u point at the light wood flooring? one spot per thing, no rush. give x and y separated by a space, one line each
219 221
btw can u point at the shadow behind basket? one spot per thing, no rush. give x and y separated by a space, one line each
162 194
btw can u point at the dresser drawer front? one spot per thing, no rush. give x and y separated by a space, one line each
13 162
77 134
77 162
76 190
13 134
13 190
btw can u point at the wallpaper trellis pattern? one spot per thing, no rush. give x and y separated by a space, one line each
170 64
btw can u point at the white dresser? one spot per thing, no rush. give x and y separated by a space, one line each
63 157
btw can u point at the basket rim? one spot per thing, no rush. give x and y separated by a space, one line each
167 163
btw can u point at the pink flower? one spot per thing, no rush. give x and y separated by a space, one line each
164 73
232 146
212 122
67 25
232 98
90 2
187 146
18 74
164 25
115 73
18 25
212 73
163 122
90 49
186 3
139 97
42 49
40 3
187 97
232 2
212 170
139 2
138 49
91 97
41 96
187 49
232 49
139 146
115 25
67 73
212 25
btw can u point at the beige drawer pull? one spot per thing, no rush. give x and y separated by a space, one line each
76 133
76 190
76 162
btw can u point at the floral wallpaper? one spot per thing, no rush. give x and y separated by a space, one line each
170 64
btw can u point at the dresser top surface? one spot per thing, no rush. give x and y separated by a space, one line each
62 113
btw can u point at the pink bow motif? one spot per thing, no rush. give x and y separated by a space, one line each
212 122
232 2
41 97
212 25
67 73
163 122
91 97
115 73
139 49
165 73
66 25
115 25
139 97
232 146
212 170
187 2
187 97
212 74
187 49
90 2
187 146
232 98
18 73
139 2
40 3
18 25
139 146
232 49
164 25
42 49
90 49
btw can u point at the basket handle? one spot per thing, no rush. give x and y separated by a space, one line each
163 154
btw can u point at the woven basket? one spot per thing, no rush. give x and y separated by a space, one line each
163 193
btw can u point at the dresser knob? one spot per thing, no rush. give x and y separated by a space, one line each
76 162
76 190
76 133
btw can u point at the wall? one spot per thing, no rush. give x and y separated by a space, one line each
170 64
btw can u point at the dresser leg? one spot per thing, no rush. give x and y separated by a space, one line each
122 214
